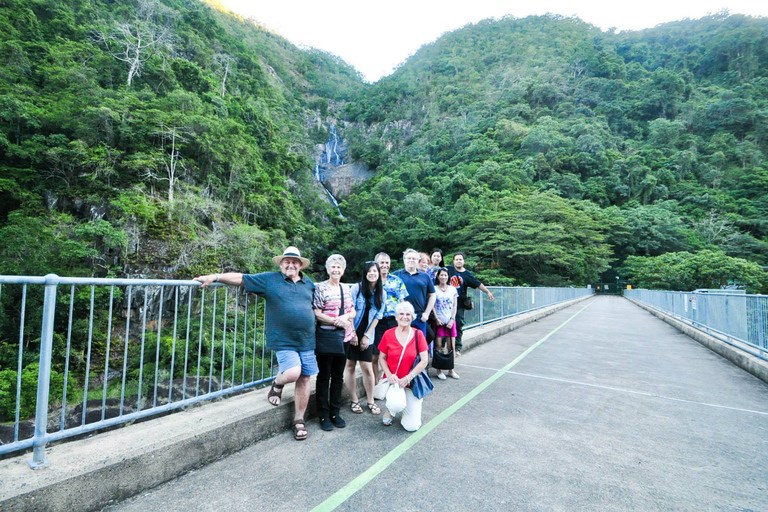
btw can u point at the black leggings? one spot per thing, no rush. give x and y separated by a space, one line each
331 372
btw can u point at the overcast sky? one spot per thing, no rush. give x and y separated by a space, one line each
375 37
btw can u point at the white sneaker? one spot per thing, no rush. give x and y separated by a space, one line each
454 375
441 376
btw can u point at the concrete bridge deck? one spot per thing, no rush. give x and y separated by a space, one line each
600 406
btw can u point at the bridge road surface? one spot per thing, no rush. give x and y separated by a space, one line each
616 410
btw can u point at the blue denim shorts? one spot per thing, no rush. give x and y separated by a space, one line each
287 359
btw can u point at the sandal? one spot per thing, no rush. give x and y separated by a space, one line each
355 406
375 409
277 391
299 433
386 421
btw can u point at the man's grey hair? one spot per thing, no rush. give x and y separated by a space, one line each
403 307
379 255
335 258
409 251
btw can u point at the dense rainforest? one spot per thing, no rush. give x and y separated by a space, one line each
171 138
552 151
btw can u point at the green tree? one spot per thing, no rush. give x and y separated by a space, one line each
685 271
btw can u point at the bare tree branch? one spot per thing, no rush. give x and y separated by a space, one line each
138 40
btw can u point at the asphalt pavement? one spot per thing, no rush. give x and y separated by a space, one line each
600 406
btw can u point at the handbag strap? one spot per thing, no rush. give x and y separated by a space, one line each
403 352
341 308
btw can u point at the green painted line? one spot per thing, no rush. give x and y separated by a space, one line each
364 478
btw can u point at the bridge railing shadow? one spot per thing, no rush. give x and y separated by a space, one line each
738 319
88 354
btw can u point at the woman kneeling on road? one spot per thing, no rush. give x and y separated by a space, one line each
399 347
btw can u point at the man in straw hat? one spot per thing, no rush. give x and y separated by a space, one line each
290 325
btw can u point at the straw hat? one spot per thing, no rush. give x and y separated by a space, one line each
291 252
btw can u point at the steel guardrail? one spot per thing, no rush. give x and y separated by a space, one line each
511 301
739 320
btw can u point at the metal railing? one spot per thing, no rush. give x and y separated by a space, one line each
737 319
86 354
509 301
109 351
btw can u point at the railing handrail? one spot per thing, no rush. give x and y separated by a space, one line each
106 281
719 293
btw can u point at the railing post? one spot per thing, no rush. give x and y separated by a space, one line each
482 309
44 373
761 338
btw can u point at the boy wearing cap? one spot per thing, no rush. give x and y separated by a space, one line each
289 325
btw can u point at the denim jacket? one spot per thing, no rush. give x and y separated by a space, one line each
359 298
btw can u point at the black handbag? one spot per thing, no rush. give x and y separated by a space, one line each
441 361
467 302
330 341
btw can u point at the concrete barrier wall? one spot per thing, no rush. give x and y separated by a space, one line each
88 474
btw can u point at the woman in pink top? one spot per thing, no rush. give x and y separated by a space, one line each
407 342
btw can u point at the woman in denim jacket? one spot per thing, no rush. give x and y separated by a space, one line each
370 303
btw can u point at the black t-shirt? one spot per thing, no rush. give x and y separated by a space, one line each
462 280
364 321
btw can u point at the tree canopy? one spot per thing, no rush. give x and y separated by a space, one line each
168 138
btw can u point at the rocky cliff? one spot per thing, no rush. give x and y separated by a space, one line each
340 180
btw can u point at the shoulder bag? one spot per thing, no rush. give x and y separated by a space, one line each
331 341
421 385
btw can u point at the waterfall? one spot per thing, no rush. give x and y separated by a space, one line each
331 155
331 159
319 178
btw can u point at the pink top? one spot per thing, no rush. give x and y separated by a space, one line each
391 350
328 300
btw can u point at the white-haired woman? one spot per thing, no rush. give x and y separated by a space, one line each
399 347
335 312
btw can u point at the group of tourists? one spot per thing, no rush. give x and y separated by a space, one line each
386 323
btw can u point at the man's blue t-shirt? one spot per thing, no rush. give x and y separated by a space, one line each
419 286
289 317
